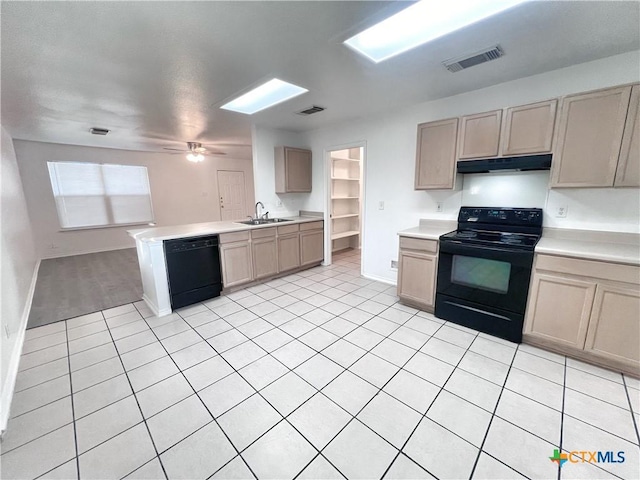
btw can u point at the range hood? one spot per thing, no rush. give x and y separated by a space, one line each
514 164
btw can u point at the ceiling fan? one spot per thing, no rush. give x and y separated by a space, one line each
196 152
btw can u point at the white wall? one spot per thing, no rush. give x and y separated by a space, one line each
263 142
18 267
390 160
182 192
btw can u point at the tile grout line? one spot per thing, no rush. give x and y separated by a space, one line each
144 420
493 415
213 418
633 417
564 390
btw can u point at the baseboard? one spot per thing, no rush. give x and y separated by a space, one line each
379 279
154 308
14 363
86 252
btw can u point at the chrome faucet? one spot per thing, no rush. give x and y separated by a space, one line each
262 205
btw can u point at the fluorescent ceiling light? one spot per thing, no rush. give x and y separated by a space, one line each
266 95
422 22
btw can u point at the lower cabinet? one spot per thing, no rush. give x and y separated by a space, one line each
264 250
588 309
288 252
614 325
260 253
311 243
235 259
417 269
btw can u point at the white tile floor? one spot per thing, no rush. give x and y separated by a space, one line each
321 374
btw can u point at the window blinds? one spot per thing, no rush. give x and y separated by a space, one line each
93 195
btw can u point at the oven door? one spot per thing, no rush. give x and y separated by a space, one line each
492 276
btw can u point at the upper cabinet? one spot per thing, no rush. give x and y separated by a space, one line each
293 170
436 154
479 135
528 129
628 172
589 139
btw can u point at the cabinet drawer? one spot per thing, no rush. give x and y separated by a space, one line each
263 232
311 226
288 229
589 268
234 237
423 245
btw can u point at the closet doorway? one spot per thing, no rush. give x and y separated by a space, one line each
345 195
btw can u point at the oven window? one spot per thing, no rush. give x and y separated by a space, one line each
486 274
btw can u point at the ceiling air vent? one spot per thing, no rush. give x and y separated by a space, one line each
99 131
311 110
485 55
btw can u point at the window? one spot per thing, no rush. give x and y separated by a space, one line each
93 195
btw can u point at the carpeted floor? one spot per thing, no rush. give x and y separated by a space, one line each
71 286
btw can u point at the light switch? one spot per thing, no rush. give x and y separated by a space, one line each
381 205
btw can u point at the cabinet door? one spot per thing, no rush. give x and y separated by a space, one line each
417 277
236 263
436 154
559 309
480 135
288 252
311 247
614 327
529 128
265 257
628 172
589 137
297 170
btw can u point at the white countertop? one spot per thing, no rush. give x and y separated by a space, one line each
430 229
591 245
613 247
155 234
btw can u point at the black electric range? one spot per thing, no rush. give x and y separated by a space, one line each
484 269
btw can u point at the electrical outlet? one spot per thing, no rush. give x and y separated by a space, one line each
394 264
381 205
439 207
53 246
278 203
561 212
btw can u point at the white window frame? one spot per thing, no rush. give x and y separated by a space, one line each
55 187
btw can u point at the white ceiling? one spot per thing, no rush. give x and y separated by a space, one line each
155 73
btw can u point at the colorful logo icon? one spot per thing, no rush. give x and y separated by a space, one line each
558 457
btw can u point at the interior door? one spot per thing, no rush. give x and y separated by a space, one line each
233 195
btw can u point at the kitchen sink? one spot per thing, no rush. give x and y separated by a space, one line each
264 221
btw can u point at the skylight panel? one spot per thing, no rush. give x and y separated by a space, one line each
421 23
267 95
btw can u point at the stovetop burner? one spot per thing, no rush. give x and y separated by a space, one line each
507 227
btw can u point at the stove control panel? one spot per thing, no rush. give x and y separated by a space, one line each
506 216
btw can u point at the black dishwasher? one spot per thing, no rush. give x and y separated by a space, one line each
193 269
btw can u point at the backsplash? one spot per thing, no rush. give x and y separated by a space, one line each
605 209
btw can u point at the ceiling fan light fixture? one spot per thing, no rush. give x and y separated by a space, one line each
267 95
420 23
195 157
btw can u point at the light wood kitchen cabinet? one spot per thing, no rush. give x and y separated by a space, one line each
293 170
436 155
587 309
560 308
628 171
264 250
311 243
614 327
479 135
235 258
417 268
288 247
589 138
528 129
